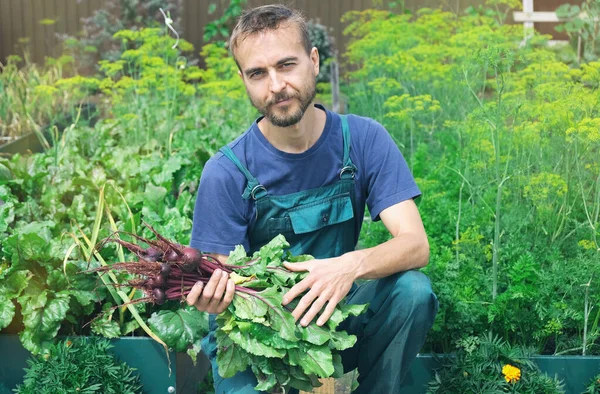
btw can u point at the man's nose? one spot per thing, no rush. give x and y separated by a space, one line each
276 83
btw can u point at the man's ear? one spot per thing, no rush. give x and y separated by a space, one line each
314 57
240 74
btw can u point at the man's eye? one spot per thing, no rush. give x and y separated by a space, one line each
256 74
285 65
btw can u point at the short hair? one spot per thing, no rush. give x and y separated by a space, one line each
265 18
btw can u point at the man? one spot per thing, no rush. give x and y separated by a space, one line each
307 173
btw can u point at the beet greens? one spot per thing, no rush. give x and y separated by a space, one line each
255 331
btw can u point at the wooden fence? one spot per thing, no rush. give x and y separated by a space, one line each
542 6
21 21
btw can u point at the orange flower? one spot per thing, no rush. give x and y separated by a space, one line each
511 374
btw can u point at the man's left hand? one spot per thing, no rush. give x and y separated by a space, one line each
328 282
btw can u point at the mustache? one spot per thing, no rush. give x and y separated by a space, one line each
280 97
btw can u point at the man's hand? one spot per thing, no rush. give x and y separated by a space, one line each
329 281
216 296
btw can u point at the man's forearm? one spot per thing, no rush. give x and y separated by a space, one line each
401 253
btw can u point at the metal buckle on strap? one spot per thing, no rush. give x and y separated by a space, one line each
349 169
256 189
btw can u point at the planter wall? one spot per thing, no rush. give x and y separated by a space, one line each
150 360
144 354
29 143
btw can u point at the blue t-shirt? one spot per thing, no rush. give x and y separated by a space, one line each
222 217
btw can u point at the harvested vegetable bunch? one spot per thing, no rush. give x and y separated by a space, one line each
255 331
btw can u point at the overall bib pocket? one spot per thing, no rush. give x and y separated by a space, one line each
329 215
312 217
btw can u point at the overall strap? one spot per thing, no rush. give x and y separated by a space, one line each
349 169
253 188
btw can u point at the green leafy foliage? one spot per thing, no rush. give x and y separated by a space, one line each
181 329
33 281
257 332
139 153
7 208
80 365
221 27
501 136
321 38
97 41
30 102
582 25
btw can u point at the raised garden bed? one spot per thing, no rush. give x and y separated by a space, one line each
29 143
575 372
144 354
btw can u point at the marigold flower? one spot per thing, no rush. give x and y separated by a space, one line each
511 374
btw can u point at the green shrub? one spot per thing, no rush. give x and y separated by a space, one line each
320 38
582 26
97 39
81 365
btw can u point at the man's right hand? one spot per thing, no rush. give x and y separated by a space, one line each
215 296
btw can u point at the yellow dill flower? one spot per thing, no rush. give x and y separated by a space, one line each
511 374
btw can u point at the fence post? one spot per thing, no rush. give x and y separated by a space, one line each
334 76
528 26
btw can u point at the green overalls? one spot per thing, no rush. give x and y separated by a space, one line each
320 222
316 221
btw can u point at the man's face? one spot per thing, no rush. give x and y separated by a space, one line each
279 75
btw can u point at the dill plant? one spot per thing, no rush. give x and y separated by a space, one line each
30 101
96 40
502 138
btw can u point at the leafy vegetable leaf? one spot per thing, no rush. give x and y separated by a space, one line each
252 345
30 243
280 318
247 307
315 334
14 283
273 251
266 384
317 360
179 328
342 312
257 331
194 350
237 256
231 359
107 328
340 340
7 311
42 319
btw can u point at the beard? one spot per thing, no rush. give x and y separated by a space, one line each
290 114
